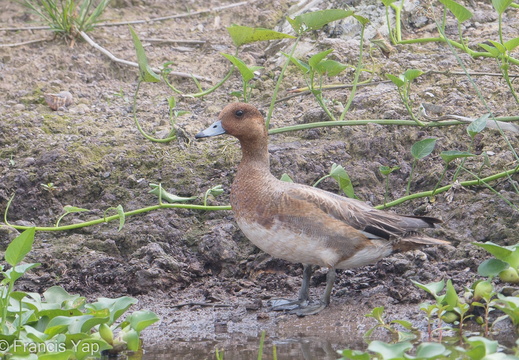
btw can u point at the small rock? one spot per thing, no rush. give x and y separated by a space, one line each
19 107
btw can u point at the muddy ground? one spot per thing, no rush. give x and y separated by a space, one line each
95 158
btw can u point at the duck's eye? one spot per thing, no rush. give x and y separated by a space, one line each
239 113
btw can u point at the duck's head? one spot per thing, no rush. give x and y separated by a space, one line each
240 120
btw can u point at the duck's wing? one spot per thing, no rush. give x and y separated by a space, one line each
373 223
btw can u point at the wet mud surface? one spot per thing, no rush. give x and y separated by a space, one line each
95 158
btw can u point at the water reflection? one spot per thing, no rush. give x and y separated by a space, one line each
247 348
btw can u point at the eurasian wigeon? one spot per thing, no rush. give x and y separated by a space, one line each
304 224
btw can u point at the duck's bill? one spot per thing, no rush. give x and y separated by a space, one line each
213 130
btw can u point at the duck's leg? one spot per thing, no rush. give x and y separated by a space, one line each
304 293
325 300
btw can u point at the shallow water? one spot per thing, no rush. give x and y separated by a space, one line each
286 349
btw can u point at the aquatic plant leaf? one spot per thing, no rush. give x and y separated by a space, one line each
459 11
241 35
501 5
432 288
159 191
390 351
491 49
412 74
450 155
477 125
19 247
451 297
509 254
341 176
386 170
388 2
354 354
395 80
361 19
317 58
141 319
60 355
244 70
492 267
146 74
305 68
498 46
317 19
330 67
59 296
122 216
132 340
481 346
431 350
116 306
18 271
423 148
84 349
512 44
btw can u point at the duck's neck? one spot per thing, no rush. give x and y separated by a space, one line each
255 156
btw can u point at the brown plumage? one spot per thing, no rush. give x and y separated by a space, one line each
304 224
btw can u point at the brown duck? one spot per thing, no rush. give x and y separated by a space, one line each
303 224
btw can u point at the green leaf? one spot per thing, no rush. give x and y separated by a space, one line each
317 58
244 70
317 19
355 354
388 2
145 72
159 191
509 254
498 46
396 80
390 351
477 125
432 288
122 216
501 5
18 271
386 170
90 348
132 340
491 49
61 355
141 319
363 21
423 148
492 267
117 307
451 297
285 177
460 12
305 68
59 297
241 35
19 247
73 209
377 314
481 346
341 176
448 156
330 67
510 45
412 74
431 350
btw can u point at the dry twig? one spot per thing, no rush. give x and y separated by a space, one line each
134 64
